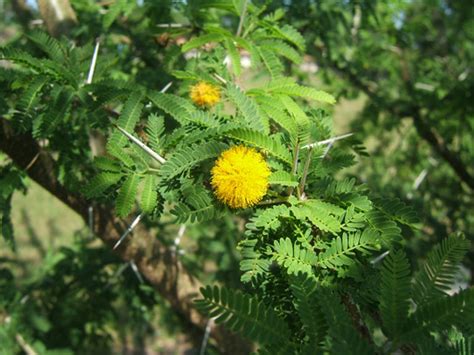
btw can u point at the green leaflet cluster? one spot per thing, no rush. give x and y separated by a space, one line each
332 235
189 139
324 313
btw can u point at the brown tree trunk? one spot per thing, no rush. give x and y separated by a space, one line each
155 262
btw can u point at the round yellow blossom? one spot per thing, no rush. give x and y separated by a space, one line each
240 177
204 94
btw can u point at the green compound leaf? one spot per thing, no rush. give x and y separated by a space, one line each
126 195
149 196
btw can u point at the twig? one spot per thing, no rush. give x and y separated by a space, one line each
93 62
356 317
129 230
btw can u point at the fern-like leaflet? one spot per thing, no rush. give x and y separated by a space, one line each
244 314
438 272
395 293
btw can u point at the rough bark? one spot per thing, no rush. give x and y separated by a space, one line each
155 262
58 16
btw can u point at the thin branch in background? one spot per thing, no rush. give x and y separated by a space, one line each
242 18
93 63
205 338
128 231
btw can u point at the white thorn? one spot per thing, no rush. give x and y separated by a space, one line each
165 89
419 179
182 229
93 63
326 151
170 25
205 338
137 273
327 141
175 248
380 257
128 231
142 145
220 78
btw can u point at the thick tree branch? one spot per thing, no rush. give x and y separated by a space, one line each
156 263
423 129
439 146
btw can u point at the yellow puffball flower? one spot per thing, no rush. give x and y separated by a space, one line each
204 94
240 177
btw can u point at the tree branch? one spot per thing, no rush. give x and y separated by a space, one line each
157 264
439 146
423 129
356 317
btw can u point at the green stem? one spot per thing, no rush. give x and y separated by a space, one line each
294 167
273 202
305 171
242 18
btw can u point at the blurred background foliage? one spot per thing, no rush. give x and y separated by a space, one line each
402 72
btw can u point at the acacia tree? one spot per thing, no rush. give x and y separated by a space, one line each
218 153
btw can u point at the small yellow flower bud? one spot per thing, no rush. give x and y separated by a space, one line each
204 94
